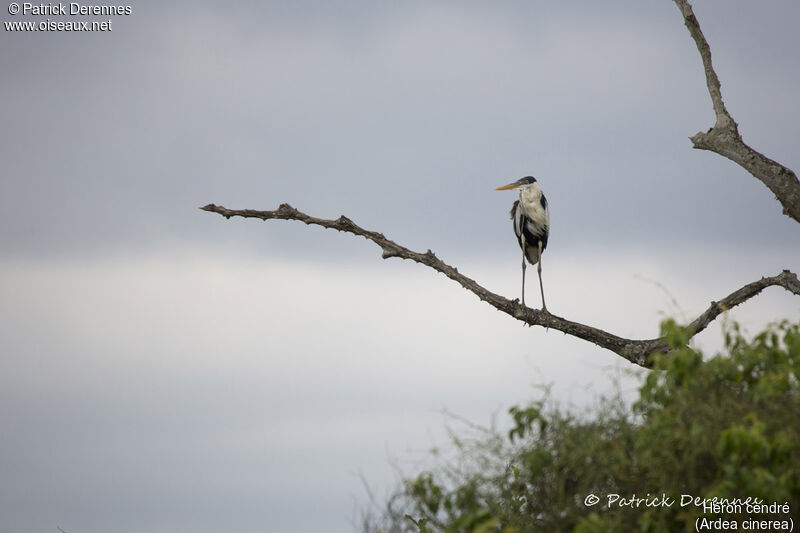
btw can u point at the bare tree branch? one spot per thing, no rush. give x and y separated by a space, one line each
785 279
724 138
635 351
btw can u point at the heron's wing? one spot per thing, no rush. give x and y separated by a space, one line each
518 218
546 230
534 233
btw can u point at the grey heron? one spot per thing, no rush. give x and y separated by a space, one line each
531 219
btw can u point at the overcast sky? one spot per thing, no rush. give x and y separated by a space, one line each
166 370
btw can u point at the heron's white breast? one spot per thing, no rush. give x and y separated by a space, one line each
530 199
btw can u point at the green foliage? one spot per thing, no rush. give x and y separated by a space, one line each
727 427
524 417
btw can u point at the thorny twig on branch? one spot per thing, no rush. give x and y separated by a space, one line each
724 138
635 351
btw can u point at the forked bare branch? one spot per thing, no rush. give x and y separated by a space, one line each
635 351
724 138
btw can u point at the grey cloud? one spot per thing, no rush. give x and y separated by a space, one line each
158 360
389 117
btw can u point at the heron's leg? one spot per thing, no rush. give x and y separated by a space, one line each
523 269
539 269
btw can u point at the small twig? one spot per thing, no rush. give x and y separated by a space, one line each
635 351
785 279
724 138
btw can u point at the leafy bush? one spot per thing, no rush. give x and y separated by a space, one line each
727 427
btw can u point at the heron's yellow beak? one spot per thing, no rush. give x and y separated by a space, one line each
514 185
